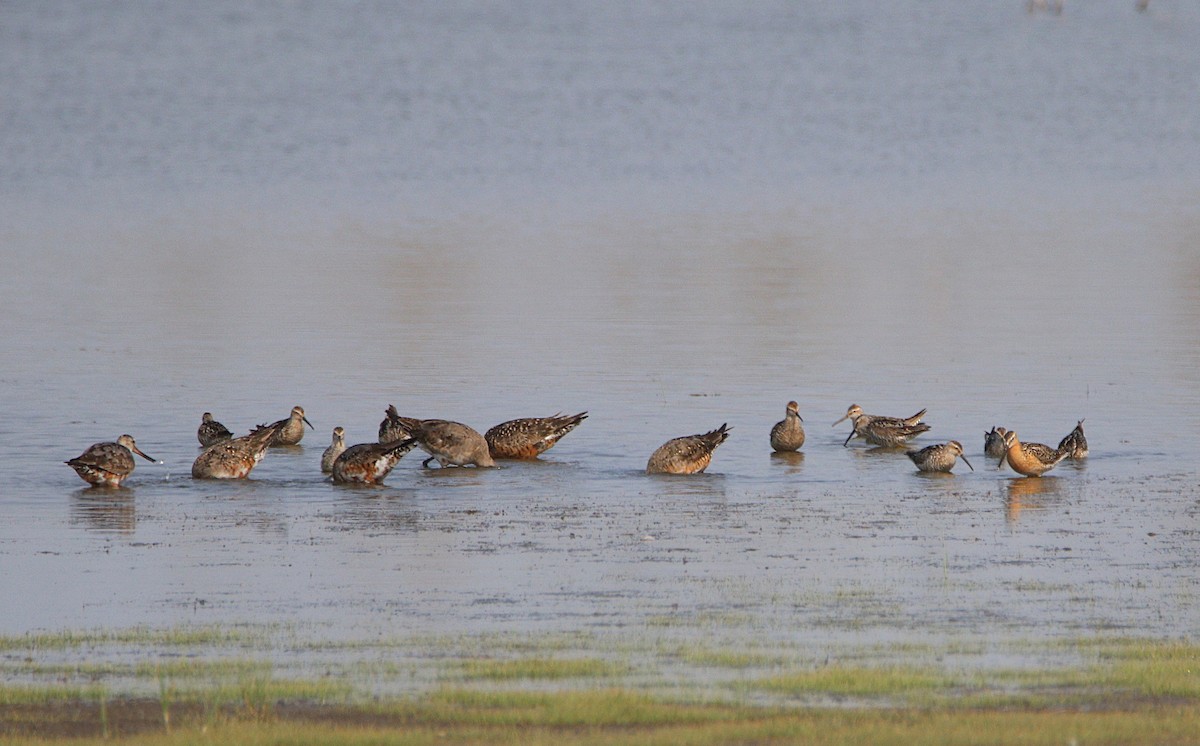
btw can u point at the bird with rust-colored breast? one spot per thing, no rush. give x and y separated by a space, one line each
1029 459
940 457
788 433
234 458
369 463
211 431
107 464
690 454
529 437
888 432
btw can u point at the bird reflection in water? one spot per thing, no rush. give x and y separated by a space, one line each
105 512
391 511
792 459
1030 494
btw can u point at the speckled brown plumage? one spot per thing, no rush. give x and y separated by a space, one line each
940 457
370 463
529 437
1030 459
788 433
889 432
234 458
392 427
856 411
211 431
1075 445
107 464
291 430
690 454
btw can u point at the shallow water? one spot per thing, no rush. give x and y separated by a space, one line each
670 219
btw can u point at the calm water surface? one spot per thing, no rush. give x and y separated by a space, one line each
670 216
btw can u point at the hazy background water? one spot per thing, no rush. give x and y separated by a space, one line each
670 214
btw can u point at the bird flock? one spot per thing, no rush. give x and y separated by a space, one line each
453 444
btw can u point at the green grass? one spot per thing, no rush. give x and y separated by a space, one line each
605 717
40 694
188 637
209 685
546 669
728 659
857 681
1156 670
600 707
182 668
1127 670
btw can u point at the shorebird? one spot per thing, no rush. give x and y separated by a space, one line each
334 450
291 429
391 429
1046 6
1030 459
788 433
211 431
1075 444
107 464
940 457
993 442
529 437
234 458
888 432
689 454
369 463
448 443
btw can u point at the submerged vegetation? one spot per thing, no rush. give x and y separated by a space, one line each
212 685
